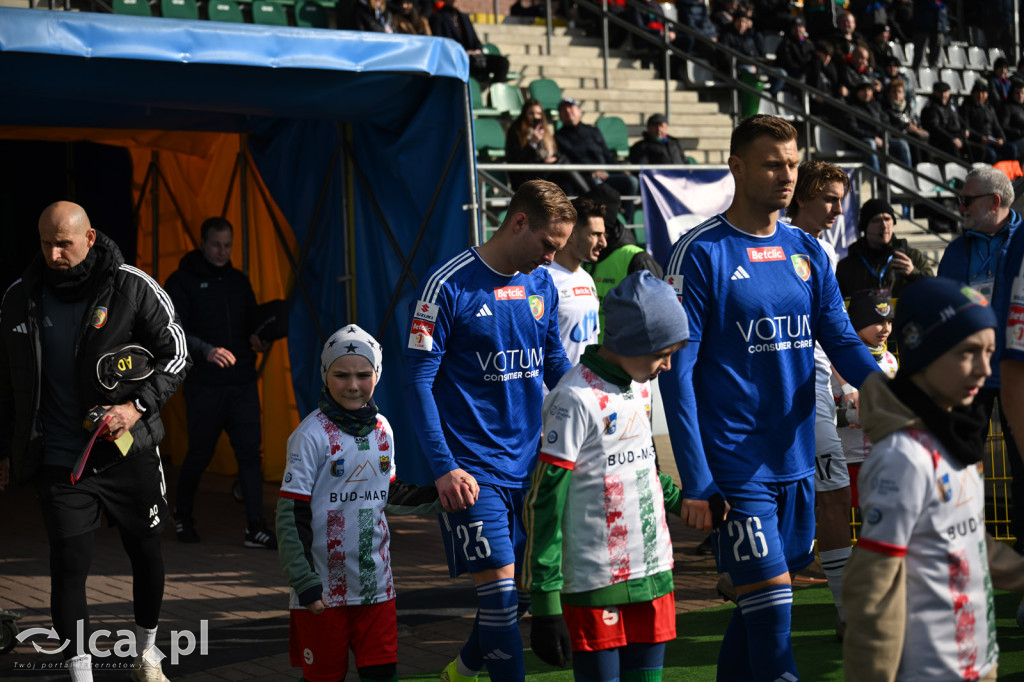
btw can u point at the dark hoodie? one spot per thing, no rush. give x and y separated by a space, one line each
218 310
867 268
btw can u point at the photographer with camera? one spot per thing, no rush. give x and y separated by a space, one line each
76 306
879 260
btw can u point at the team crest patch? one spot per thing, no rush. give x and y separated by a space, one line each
802 265
537 306
99 317
883 309
385 463
945 489
912 335
610 423
338 467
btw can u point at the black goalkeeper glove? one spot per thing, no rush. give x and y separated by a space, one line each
549 638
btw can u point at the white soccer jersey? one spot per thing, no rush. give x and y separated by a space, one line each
822 365
614 525
578 306
919 503
856 445
345 478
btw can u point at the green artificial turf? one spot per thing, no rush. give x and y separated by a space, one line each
819 657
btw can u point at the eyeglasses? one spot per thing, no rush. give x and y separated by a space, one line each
966 200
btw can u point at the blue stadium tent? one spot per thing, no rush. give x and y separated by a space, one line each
344 160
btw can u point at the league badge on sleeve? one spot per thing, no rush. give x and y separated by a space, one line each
421 336
802 265
537 306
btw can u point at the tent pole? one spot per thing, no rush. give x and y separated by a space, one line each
231 187
347 220
474 199
154 189
407 265
243 196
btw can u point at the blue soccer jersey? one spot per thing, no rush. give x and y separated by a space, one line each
481 344
755 305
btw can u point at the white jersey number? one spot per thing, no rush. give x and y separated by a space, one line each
747 531
481 548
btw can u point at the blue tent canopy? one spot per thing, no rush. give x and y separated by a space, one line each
363 141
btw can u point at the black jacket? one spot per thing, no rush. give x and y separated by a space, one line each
449 22
654 151
795 56
217 309
942 123
861 128
862 266
980 120
127 306
583 144
1011 118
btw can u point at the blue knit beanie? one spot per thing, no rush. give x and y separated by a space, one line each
643 315
932 316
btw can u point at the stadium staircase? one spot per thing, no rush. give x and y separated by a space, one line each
634 93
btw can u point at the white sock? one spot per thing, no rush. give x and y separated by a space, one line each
80 668
464 669
833 562
145 639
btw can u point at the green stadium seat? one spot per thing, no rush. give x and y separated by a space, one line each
548 93
310 14
615 134
269 13
477 97
488 138
179 9
506 99
224 10
138 8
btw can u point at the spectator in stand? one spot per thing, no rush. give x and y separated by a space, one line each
743 38
651 19
449 22
795 52
871 12
582 143
657 146
941 120
879 260
856 69
999 82
723 15
893 70
823 76
1011 115
985 137
373 16
897 107
407 19
881 50
531 139
846 37
821 16
863 101
931 23
695 14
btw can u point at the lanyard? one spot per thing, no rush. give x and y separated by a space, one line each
879 275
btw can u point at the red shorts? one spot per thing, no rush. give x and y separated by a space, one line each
319 643
854 492
593 628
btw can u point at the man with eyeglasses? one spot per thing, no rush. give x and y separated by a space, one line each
879 259
982 258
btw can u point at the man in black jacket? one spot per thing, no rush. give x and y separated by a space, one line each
218 311
77 302
939 117
449 22
657 147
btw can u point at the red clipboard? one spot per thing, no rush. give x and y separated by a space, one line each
76 473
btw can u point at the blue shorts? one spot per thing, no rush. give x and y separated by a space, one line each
490 534
768 531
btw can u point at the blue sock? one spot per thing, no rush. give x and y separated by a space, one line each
471 658
596 666
767 614
500 641
733 657
525 600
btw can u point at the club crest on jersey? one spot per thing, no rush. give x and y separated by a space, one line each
802 265
385 463
945 489
338 467
610 423
99 317
537 306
